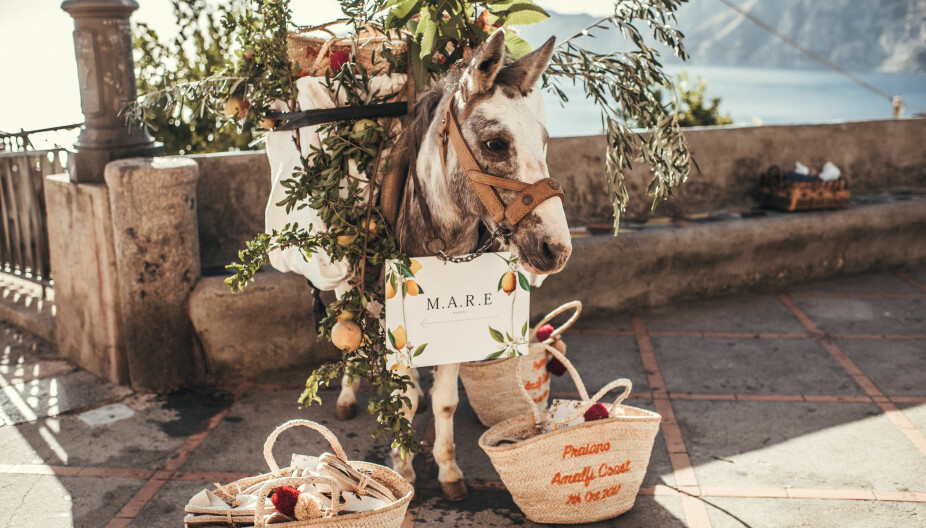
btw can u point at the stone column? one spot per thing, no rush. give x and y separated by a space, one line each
106 75
156 240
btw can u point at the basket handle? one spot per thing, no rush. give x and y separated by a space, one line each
329 436
547 318
294 482
623 382
573 373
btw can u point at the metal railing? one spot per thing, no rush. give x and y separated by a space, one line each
24 231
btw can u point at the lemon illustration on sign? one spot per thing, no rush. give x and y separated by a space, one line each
346 335
413 288
414 266
508 283
390 291
400 337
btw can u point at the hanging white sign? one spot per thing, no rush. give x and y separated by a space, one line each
439 312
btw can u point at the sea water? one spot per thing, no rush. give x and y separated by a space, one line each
764 96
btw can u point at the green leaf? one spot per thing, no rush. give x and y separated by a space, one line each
404 289
420 289
523 13
391 338
392 281
407 273
516 46
496 355
402 13
496 335
428 30
419 350
522 280
524 329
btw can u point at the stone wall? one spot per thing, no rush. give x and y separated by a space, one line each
876 155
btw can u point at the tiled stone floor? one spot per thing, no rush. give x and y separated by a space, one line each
805 407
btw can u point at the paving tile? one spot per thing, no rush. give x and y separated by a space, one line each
166 508
237 443
897 367
801 445
868 283
612 323
752 366
159 426
46 501
496 509
38 398
601 359
736 513
918 274
916 412
744 313
25 357
866 316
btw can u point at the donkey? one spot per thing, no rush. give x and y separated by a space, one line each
502 121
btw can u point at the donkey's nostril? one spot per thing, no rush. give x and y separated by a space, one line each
548 252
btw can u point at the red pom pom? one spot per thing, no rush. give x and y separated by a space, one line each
555 367
338 59
596 412
284 500
544 332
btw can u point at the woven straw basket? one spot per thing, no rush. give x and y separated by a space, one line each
390 516
578 474
313 52
493 389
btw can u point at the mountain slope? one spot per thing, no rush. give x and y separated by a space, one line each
885 35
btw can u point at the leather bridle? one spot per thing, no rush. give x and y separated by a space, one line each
530 195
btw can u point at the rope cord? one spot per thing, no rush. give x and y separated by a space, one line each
815 56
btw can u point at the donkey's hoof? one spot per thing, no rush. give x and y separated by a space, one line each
346 411
455 491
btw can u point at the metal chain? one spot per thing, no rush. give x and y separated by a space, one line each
500 232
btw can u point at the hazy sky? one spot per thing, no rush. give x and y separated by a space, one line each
38 76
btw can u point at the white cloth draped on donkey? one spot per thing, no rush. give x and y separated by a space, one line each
285 158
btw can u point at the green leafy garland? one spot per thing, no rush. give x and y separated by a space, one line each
623 85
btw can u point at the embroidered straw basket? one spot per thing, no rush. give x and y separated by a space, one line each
390 516
313 52
494 390
578 474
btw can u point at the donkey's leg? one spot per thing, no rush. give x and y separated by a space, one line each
403 466
444 400
347 399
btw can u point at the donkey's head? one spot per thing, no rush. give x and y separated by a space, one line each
501 118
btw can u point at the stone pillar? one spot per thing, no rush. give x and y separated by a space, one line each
106 75
88 316
156 240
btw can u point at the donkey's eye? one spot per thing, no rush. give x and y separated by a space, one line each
496 144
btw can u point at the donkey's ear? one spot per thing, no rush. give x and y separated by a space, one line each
487 63
525 72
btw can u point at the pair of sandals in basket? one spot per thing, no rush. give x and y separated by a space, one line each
237 503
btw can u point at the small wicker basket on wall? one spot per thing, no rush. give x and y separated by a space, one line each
779 193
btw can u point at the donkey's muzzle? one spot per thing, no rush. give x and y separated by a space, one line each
546 255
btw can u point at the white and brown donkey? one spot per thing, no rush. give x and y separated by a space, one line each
501 118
